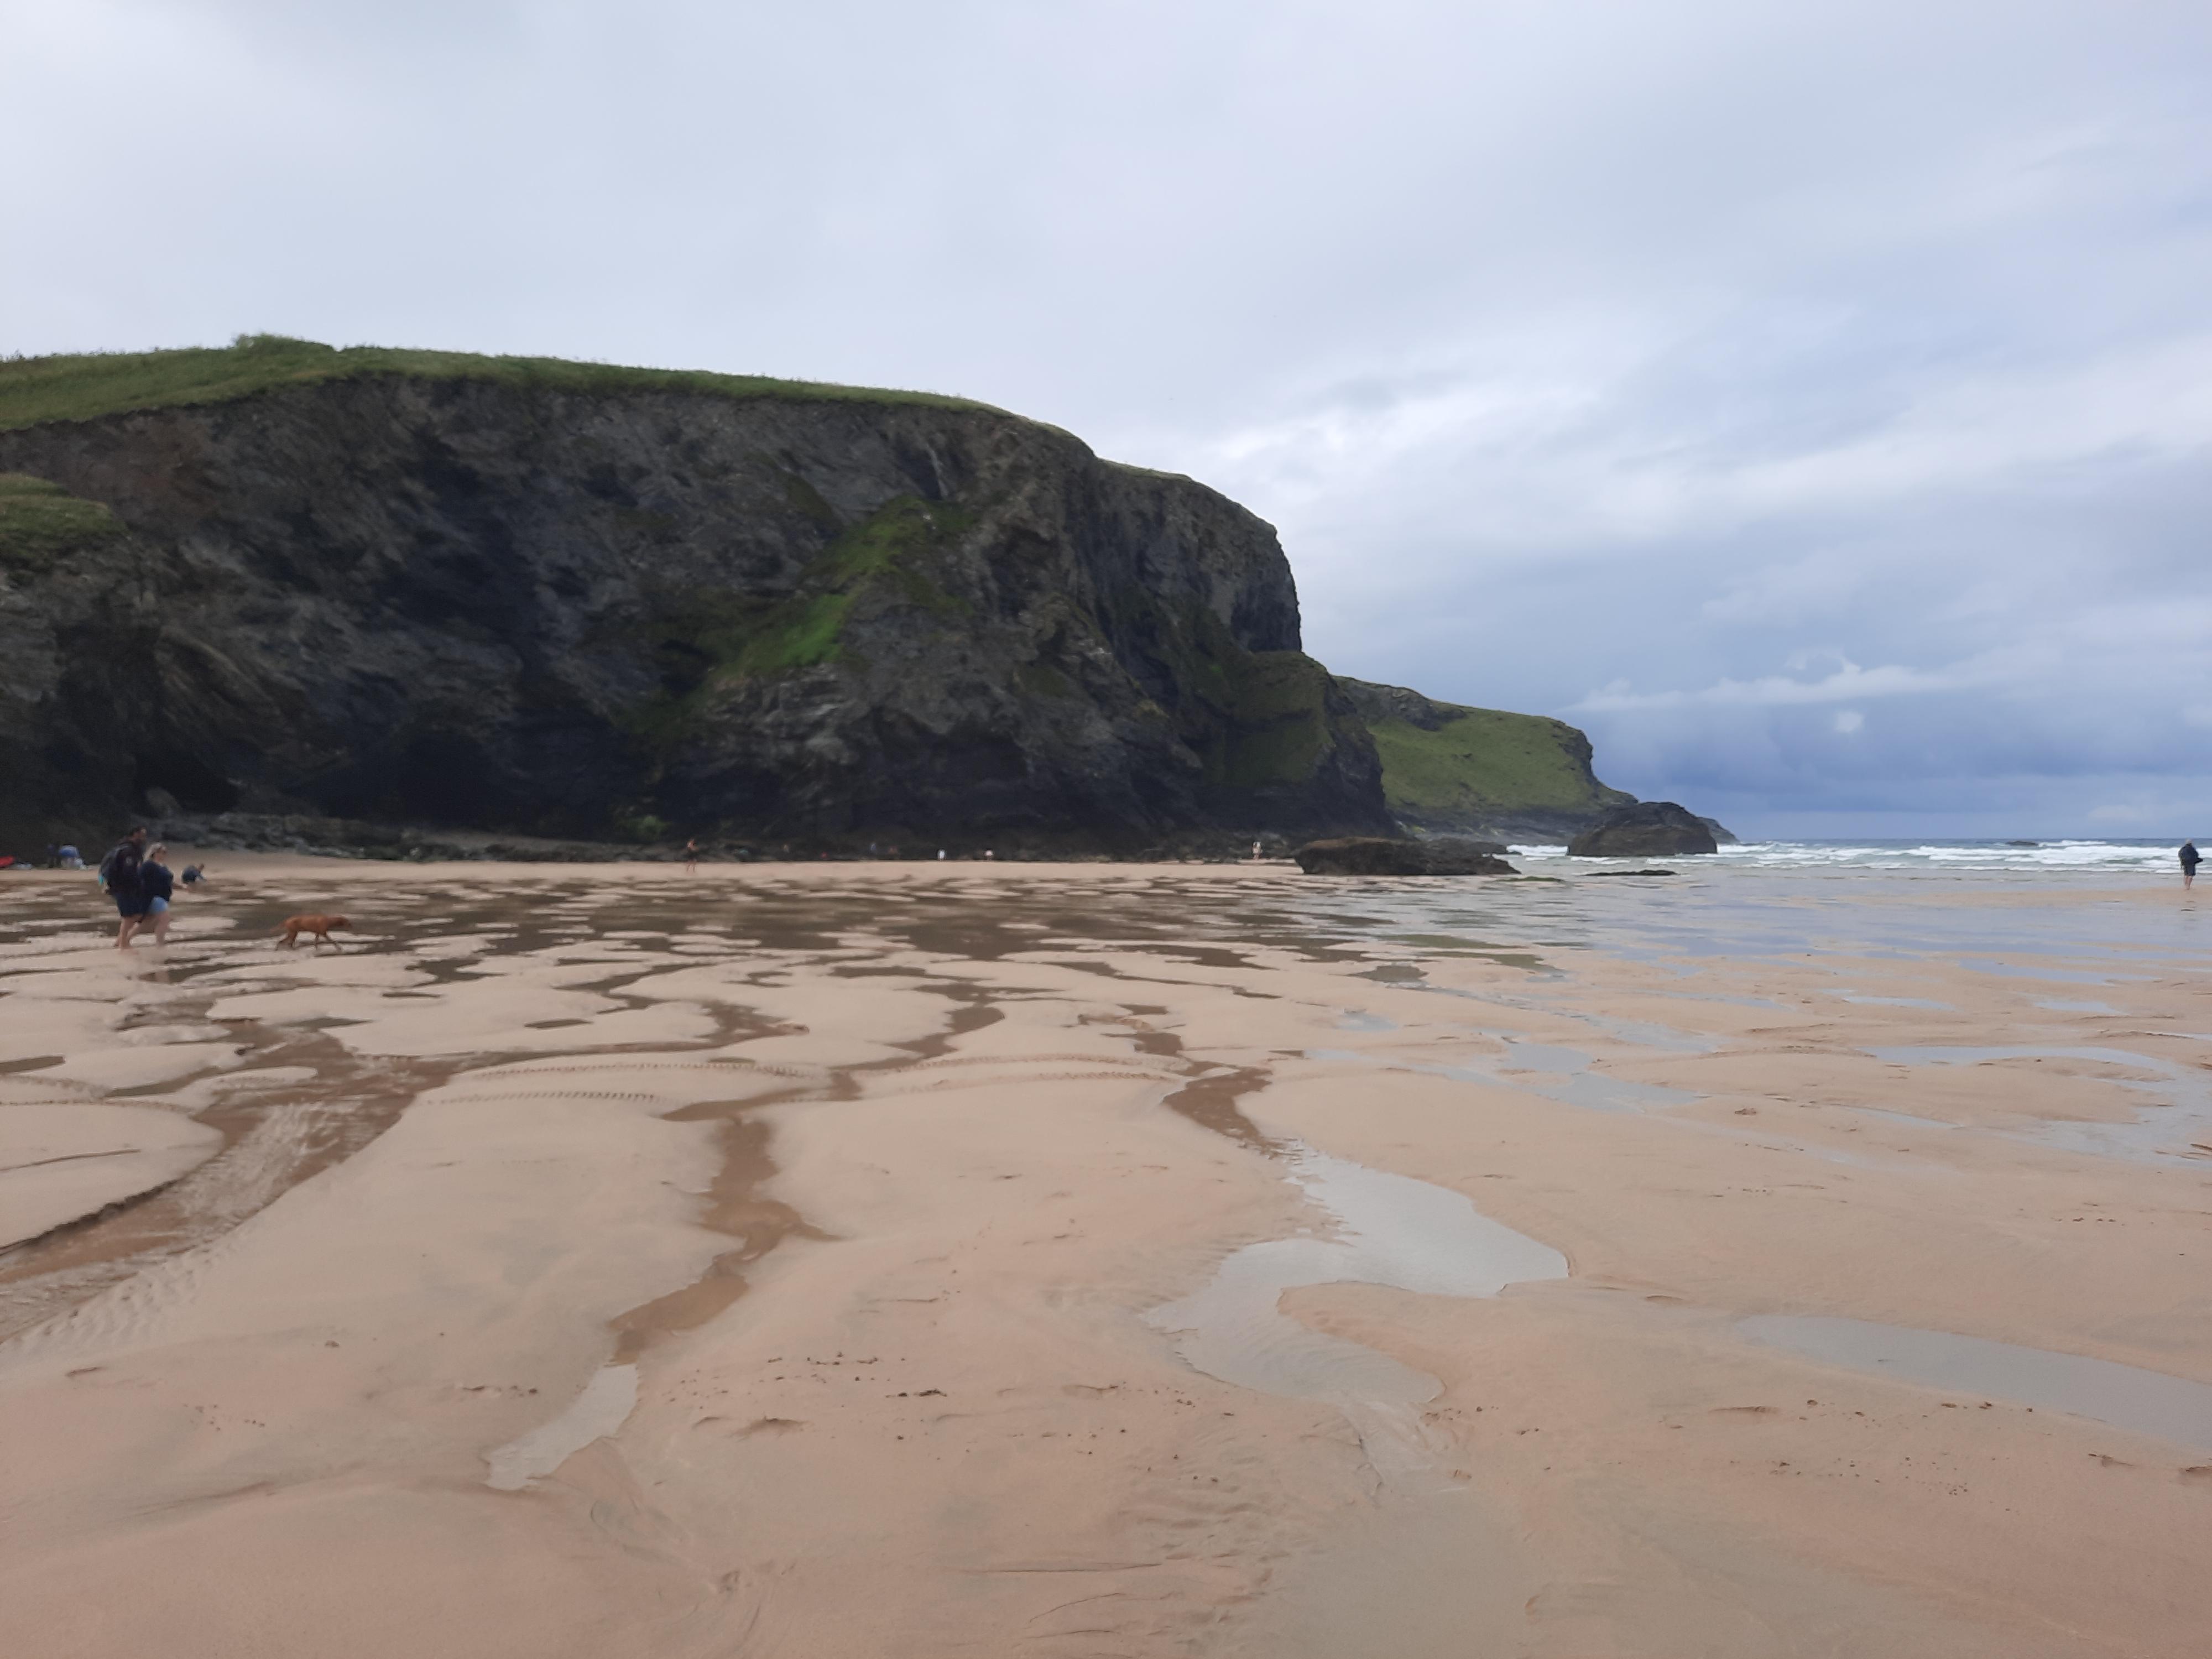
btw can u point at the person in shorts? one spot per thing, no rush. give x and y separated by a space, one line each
2190 858
157 889
118 874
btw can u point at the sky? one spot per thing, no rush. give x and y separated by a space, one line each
1812 402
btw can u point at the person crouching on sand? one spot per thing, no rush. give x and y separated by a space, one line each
2190 860
155 889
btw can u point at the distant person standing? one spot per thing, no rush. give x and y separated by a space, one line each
118 874
157 889
690 857
2190 858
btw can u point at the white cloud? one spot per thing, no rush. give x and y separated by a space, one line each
1847 683
1848 721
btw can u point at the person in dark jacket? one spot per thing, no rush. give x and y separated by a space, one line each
118 874
2190 858
157 889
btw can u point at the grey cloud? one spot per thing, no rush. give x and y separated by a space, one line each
1567 345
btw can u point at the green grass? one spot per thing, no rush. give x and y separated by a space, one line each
1487 759
41 524
36 390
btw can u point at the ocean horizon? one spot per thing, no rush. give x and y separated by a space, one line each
2069 855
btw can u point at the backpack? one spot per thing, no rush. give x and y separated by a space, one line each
107 865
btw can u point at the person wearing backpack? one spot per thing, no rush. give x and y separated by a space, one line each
118 874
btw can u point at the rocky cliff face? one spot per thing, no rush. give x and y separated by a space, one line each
476 602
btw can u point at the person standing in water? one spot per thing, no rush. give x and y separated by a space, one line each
2190 860
691 858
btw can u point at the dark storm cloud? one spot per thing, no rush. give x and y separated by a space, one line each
1811 401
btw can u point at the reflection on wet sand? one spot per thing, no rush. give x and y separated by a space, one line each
2125 1396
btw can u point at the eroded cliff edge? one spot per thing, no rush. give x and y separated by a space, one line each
571 605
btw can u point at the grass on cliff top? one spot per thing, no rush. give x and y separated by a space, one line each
36 390
1487 758
41 522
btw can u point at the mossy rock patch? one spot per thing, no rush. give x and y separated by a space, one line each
42 524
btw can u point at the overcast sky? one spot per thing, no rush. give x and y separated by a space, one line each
1813 401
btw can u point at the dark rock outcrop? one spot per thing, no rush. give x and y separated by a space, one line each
1372 855
1649 828
475 602
1721 833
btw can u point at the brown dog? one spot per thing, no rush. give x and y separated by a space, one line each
318 926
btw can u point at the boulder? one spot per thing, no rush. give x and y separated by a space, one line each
1650 829
1372 855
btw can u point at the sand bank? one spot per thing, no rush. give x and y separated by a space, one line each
926 1261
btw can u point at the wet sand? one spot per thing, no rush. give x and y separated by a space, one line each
980 1260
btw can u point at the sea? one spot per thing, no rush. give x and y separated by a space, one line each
2062 911
2056 858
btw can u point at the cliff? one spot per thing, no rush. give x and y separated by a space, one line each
1452 769
571 599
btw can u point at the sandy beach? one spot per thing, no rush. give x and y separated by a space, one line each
961 1259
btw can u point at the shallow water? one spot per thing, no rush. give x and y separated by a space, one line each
604 1406
1384 1228
2179 1111
1555 1073
2120 1396
1354 1020
1541 1057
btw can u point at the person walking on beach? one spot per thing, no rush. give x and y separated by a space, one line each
691 858
2190 858
118 874
156 890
